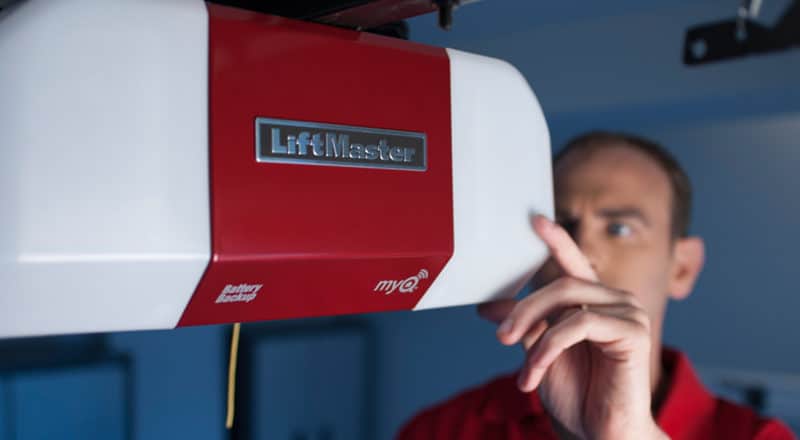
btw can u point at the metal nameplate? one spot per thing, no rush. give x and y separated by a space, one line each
311 143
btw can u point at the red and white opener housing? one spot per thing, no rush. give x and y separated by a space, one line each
171 163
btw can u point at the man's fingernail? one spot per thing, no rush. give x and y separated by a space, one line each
522 383
505 327
543 221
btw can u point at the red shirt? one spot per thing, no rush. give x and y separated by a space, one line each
498 410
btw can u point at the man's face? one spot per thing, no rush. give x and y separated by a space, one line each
616 203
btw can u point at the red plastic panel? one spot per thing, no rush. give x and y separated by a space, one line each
295 240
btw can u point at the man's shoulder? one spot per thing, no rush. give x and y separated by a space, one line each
478 405
740 419
691 410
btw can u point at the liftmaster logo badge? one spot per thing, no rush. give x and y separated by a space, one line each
407 285
238 293
308 143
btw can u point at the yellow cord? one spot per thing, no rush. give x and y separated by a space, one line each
232 374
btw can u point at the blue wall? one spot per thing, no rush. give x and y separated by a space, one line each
734 126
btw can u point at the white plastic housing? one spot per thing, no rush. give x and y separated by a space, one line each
104 185
104 210
501 178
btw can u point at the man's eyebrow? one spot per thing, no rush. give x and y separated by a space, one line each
624 212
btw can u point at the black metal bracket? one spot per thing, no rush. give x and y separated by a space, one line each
446 8
725 40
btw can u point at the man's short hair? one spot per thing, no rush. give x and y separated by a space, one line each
679 181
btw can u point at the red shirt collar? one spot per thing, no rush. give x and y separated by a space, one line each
686 398
687 402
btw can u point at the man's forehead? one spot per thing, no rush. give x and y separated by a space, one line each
612 175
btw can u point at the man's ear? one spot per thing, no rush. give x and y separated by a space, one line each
688 259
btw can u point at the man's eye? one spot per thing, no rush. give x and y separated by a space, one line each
619 230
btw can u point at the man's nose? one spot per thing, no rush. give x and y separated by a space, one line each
586 243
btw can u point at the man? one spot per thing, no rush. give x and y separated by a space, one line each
592 333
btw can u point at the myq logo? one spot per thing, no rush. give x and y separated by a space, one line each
309 143
407 285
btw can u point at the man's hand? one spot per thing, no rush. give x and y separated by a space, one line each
587 345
